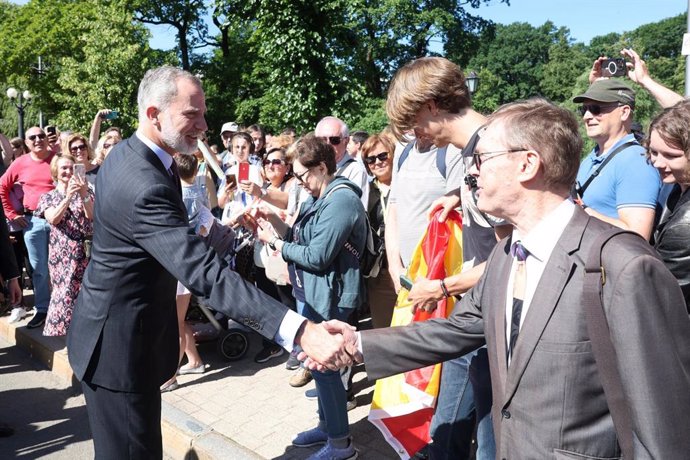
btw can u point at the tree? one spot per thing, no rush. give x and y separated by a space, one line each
115 57
185 16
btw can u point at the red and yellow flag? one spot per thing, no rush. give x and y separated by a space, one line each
403 404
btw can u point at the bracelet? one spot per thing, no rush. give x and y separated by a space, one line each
444 288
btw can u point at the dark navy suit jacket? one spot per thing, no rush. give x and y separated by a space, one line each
124 334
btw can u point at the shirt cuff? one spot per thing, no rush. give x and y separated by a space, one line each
360 349
285 337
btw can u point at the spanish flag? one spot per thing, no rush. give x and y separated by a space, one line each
403 404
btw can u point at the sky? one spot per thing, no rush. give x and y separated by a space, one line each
585 18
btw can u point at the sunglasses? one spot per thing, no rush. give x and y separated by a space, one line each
480 158
107 146
76 148
33 137
274 162
371 159
595 109
333 140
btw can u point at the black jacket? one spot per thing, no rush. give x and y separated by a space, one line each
672 238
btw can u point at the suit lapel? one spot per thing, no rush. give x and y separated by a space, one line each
498 296
557 273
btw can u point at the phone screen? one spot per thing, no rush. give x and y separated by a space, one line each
230 180
244 172
80 171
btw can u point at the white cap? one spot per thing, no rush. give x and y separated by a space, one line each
230 126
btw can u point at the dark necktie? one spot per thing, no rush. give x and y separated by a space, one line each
520 253
172 171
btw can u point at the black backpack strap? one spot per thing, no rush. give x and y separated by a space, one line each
581 190
405 153
441 160
602 346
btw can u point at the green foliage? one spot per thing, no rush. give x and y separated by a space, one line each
372 116
115 57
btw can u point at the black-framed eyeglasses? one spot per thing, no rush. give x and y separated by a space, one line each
371 159
33 137
480 158
274 162
300 177
333 140
76 148
595 109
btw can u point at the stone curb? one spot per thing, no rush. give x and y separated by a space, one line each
184 437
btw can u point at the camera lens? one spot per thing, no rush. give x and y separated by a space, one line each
612 68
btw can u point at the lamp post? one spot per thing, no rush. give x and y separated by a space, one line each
15 95
472 81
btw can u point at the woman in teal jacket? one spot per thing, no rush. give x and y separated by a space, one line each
322 249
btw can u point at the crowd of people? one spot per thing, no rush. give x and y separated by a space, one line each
306 204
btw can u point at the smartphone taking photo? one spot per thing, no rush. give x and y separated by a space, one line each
243 172
231 180
406 282
79 171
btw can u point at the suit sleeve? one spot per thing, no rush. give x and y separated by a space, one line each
161 228
394 350
8 263
650 330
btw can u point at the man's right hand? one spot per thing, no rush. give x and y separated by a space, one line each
327 348
350 341
20 221
447 203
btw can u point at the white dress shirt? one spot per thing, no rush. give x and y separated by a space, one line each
539 243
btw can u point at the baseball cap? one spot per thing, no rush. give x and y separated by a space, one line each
230 126
609 90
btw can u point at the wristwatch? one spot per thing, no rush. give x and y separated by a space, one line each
272 243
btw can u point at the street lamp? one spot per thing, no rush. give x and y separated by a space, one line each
13 94
472 81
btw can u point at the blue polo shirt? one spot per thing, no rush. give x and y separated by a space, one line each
627 181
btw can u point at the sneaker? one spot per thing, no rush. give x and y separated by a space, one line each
292 363
309 438
300 378
328 452
17 314
37 321
268 353
351 402
311 394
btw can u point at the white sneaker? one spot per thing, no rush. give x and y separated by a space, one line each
17 314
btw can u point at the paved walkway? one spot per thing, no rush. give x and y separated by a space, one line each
234 410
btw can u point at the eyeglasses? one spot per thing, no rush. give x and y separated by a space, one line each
333 140
107 146
480 158
33 137
274 162
596 109
76 148
300 177
371 159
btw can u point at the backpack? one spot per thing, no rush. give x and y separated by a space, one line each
440 157
372 258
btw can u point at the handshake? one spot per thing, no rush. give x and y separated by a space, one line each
329 345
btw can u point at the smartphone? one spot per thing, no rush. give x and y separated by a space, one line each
613 68
231 180
406 282
79 171
50 130
244 172
112 115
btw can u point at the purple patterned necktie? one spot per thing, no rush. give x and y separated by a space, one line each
518 251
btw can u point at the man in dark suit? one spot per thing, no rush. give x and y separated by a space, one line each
548 399
9 273
123 339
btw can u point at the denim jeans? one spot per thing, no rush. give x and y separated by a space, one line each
329 387
36 240
464 395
